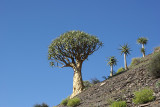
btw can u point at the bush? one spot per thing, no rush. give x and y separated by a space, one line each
65 101
154 65
73 102
119 104
135 61
120 70
95 81
41 105
87 84
143 96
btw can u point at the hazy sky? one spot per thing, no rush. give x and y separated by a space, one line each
27 28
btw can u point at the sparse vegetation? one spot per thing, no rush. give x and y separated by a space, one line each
118 104
73 102
154 66
65 101
135 61
87 84
143 96
120 70
41 105
95 81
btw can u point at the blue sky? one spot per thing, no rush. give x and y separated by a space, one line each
27 28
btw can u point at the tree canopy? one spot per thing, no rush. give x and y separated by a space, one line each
142 40
112 61
125 49
71 47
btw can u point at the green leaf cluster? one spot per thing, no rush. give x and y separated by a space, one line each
143 96
112 61
142 40
125 49
154 65
118 104
120 70
73 102
71 46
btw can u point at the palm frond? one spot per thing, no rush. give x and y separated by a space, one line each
142 40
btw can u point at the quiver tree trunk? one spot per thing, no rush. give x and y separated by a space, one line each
77 80
111 73
143 54
125 62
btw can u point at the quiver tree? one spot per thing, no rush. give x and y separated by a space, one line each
143 41
125 49
112 61
71 49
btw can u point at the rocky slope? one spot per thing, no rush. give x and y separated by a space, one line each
121 87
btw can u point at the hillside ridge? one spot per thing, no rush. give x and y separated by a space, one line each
122 87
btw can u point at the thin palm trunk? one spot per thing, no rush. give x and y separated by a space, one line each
111 73
143 54
125 62
77 80
142 45
144 51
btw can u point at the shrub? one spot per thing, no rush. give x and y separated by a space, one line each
135 61
65 101
120 70
95 81
143 96
154 66
87 84
73 102
41 105
119 104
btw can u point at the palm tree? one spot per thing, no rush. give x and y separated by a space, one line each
143 41
125 49
112 61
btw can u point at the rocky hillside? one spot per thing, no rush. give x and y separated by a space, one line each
122 87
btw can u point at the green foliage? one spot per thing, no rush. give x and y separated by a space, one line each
119 104
41 105
125 49
154 65
95 81
142 40
120 70
73 102
158 84
112 61
72 46
143 96
135 61
87 84
65 101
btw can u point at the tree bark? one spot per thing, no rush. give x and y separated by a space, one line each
142 45
77 80
143 54
111 73
125 62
